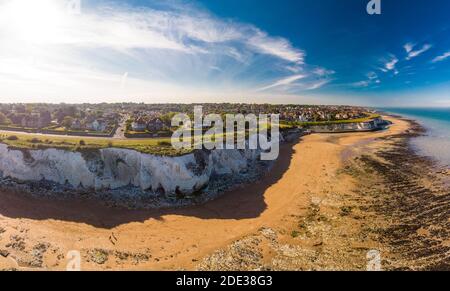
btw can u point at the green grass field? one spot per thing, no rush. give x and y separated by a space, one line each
157 146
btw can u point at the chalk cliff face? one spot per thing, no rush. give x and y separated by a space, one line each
374 124
115 168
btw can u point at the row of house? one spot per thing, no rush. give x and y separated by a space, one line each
36 120
96 124
320 114
152 124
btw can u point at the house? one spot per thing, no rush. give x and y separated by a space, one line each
45 119
30 121
155 125
139 125
97 125
76 124
302 118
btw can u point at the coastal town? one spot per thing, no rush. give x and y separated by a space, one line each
224 140
130 120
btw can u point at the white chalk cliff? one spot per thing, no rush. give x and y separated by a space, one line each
374 124
114 168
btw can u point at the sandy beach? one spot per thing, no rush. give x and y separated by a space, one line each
303 215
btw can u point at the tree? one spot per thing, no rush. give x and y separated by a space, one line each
4 119
67 122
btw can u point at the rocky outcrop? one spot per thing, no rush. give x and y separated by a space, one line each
114 168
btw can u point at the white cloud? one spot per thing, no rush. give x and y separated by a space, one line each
131 28
360 84
283 82
123 82
372 75
317 84
160 47
372 78
415 53
441 57
323 72
390 65
277 47
408 47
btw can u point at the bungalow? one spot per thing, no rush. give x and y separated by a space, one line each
76 124
97 125
139 125
155 125
30 121
45 119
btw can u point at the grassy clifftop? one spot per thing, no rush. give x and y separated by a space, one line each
157 146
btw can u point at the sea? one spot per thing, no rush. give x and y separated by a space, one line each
436 141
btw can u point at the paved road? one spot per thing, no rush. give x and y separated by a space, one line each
51 135
120 132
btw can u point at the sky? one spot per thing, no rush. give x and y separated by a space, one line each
253 51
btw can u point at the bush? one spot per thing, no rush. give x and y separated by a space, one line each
82 143
164 143
12 137
35 140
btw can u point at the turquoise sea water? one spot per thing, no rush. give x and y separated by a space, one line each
436 142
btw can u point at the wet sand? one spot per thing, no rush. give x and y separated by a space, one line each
36 233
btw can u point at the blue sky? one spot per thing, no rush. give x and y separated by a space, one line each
299 51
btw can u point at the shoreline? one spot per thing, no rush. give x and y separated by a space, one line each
291 217
432 133
409 197
373 216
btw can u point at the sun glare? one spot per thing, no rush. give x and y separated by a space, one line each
34 21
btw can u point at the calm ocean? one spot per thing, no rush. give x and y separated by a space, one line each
436 142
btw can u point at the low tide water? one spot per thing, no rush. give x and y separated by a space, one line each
436 141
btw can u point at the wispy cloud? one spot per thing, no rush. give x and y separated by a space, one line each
390 65
408 47
372 79
372 76
123 81
277 47
415 53
312 78
283 82
170 47
361 84
323 72
318 84
441 57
